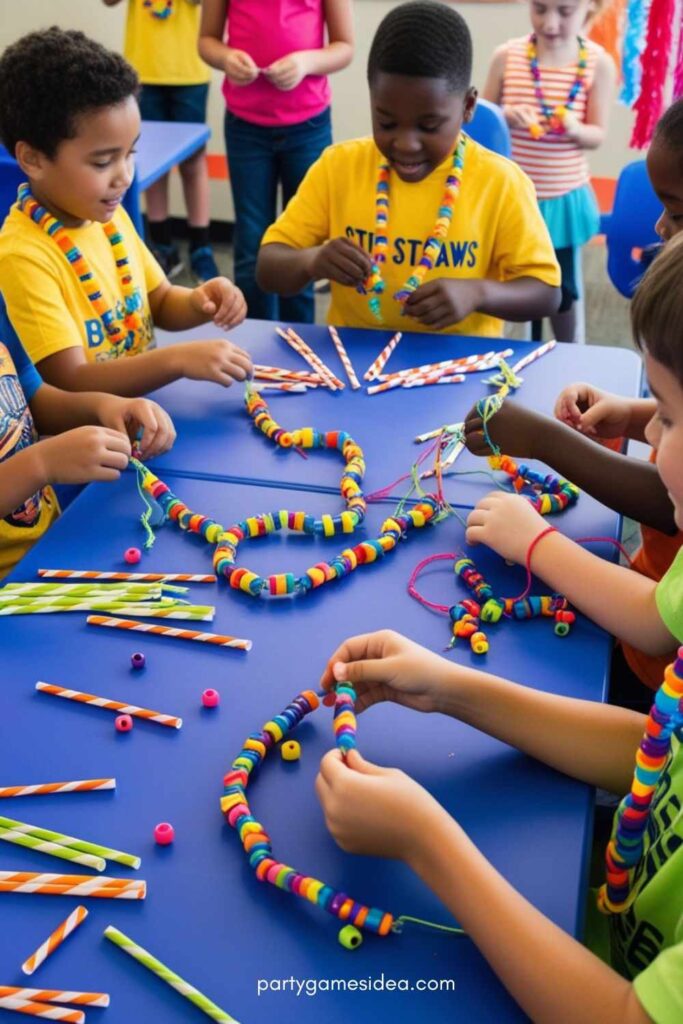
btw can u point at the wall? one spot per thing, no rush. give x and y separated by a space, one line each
490 23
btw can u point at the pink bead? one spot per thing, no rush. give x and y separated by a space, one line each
132 555
123 723
211 698
164 833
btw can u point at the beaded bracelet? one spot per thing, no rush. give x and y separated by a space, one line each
227 541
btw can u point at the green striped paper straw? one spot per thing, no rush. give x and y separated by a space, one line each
33 842
151 610
81 845
167 975
152 590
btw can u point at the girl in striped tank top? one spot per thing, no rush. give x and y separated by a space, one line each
555 88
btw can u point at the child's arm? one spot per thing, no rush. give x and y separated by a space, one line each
237 65
631 487
444 301
175 308
285 270
590 134
600 413
287 72
619 600
382 812
521 116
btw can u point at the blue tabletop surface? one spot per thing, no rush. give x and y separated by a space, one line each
163 144
205 915
384 425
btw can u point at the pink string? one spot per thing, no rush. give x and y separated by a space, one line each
412 589
385 492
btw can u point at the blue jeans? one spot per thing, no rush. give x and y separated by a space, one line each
260 158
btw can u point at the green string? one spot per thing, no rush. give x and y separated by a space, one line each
149 509
406 919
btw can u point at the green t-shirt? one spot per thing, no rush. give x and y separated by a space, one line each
669 597
646 942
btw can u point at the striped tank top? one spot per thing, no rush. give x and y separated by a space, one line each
554 164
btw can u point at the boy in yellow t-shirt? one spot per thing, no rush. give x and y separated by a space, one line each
161 44
81 289
491 259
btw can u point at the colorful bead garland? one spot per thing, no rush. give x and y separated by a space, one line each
374 284
255 839
554 116
159 8
121 333
551 493
227 541
625 850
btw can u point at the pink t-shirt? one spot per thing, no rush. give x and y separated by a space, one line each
268 30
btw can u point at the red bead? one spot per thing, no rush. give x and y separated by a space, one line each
164 833
123 723
132 555
211 698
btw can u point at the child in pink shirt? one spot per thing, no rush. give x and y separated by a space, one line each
276 60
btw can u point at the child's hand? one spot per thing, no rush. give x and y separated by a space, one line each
134 416
507 523
593 412
221 301
442 302
219 361
571 125
240 68
379 812
513 427
84 454
288 72
387 666
522 115
341 260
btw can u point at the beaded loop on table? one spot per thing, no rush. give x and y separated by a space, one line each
625 849
554 116
121 332
551 493
374 284
227 541
256 841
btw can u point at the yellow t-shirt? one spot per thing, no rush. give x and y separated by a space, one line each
163 51
45 302
496 232
20 529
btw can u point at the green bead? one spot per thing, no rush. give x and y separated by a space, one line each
350 937
561 628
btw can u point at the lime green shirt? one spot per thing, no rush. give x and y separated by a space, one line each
669 597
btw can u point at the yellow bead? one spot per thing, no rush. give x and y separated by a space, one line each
274 729
291 750
328 525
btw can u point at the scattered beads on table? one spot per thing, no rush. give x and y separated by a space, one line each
211 698
137 660
132 556
290 751
123 723
164 833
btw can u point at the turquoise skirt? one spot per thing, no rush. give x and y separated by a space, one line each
572 219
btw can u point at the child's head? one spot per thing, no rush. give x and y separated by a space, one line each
665 170
658 331
558 22
69 114
419 72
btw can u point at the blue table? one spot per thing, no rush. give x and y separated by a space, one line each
162 145
205 915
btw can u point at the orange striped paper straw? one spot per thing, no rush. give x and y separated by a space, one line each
344 356
82 786
111 705
43 1010
289 386
217 639
48 884
313 360
142 577
55 939
376 367
56 995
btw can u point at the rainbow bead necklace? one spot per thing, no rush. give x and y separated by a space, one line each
554 116
161 9
121 332
625 850
374 284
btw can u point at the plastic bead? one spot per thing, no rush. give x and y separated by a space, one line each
290 751
123 723
164 833
132 556
211 698
350 937
137 660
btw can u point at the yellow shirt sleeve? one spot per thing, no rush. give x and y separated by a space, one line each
305 221
523 247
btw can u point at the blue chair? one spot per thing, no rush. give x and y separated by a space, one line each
489 128
630 225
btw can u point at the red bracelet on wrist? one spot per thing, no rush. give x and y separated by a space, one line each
530 549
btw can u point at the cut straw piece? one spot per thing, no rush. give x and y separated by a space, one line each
49 884
307 353
56 995
43 1010
344 357
149 577
166 974
73 843
103 590
51 788
188 613
33 842
216 639
172 721
376 367
55 939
